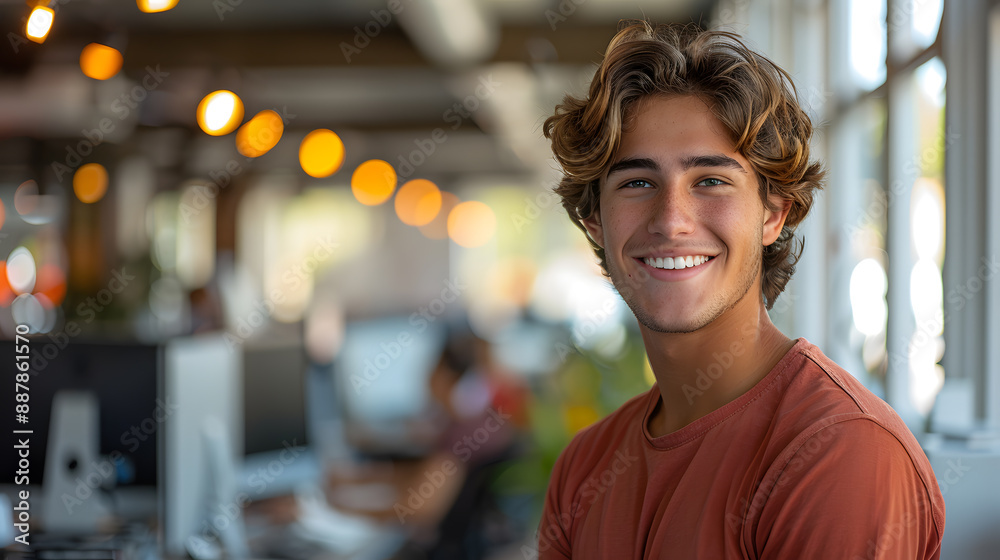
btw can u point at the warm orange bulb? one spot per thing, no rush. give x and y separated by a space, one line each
418 202
373 182
7 294
321 153
100 62
90 182
154 6
259 134
471 224
39 23
220 112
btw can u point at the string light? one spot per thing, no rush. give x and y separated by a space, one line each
154 6
39 23
418 202
471 224
373 182
259 134
90 182
220 112
100 62
321 153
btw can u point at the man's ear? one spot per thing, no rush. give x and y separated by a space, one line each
594 227
774 220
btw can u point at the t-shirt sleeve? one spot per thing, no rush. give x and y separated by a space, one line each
554 526
852 491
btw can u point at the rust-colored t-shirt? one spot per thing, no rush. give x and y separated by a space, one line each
807 464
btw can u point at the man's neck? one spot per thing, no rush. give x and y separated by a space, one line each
702 371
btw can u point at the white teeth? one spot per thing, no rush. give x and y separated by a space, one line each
678 263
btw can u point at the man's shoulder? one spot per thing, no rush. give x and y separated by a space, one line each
820 389
812 397
822 400
827 419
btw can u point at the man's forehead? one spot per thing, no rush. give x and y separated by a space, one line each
668 118
695 103
701 139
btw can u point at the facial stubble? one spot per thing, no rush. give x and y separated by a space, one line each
628 286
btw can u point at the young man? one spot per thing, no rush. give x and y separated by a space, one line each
688 167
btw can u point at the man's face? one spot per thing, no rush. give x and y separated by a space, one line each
676 188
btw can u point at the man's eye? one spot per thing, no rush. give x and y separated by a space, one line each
637 184
712 183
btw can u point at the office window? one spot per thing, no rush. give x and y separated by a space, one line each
878 103
925 21
927 223
867 42
864 146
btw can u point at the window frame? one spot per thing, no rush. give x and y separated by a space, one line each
968 43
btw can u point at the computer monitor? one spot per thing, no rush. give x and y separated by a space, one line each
202 446
122 379
276 420
382 374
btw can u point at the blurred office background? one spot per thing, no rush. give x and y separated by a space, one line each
335 310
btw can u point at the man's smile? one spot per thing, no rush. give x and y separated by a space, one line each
658 268
678 262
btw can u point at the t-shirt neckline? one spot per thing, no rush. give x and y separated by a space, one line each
701 426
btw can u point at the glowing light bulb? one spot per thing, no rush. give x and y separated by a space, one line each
471 223
220 112
418 202
21 270
100 62
39 24
259 134
373 182
321 153
90 182
154 6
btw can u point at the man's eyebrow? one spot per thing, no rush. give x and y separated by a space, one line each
710 160
713 160
633 163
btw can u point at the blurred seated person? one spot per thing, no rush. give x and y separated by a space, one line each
470 427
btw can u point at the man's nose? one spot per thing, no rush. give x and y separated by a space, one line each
672 212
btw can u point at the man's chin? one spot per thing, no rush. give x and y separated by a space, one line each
688 322
671 327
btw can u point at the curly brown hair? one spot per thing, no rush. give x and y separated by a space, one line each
752 97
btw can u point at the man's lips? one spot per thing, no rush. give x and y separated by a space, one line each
678 262
675 274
